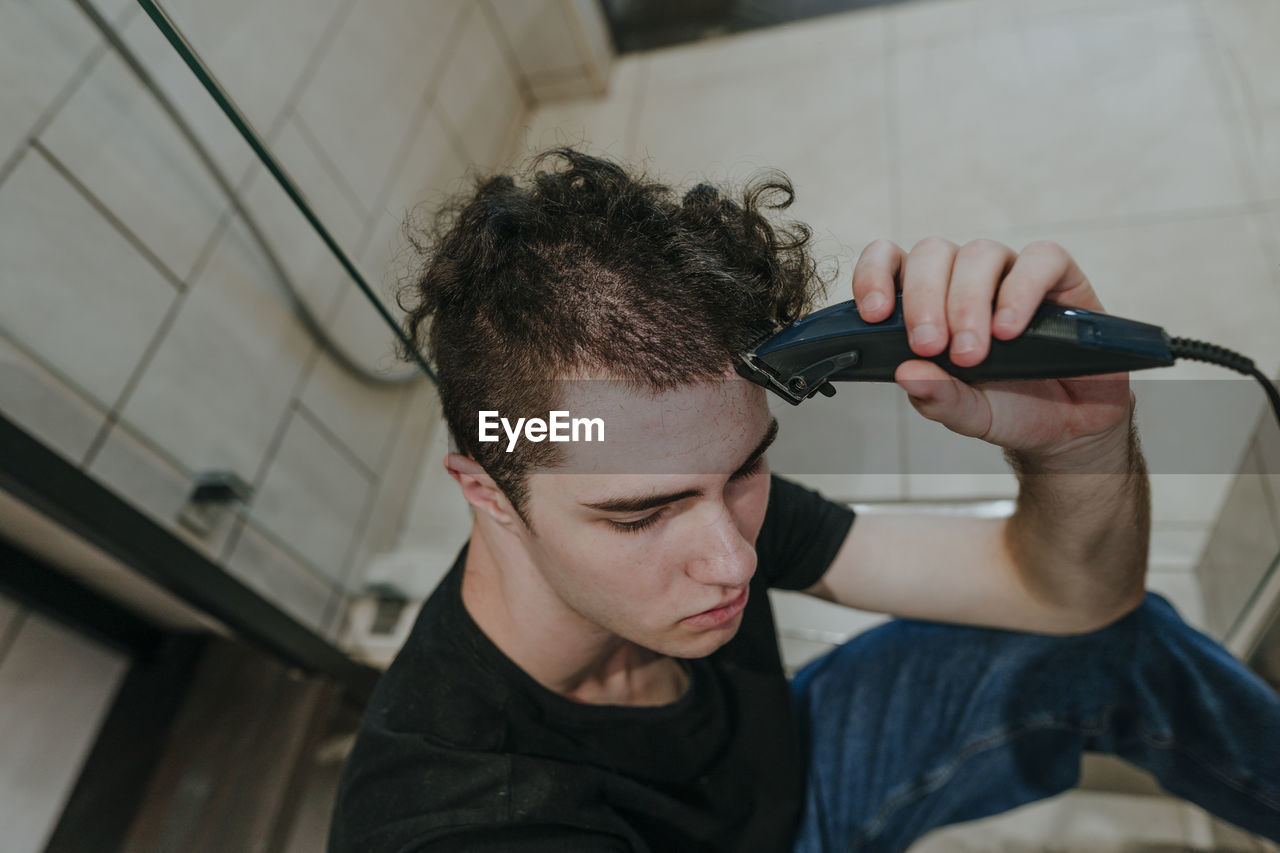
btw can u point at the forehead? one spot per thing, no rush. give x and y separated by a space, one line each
702 428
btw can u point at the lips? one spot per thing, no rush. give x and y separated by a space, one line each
721 613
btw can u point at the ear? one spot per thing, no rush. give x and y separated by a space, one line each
479 489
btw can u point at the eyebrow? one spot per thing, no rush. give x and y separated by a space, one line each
643 502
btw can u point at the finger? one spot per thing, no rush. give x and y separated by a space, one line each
941 397
875 279
1043 271
975 277
925 276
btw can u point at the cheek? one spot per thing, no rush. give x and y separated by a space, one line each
623 569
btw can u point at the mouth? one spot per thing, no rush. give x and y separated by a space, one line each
720 614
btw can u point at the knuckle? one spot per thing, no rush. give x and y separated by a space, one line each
1046 247
933 244
984 246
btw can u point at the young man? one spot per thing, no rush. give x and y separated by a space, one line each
599 671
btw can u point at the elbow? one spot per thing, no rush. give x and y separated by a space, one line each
1103 611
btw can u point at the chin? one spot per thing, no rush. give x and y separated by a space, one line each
700 645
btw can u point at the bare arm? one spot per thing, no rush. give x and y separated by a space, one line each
1072 558
1073 555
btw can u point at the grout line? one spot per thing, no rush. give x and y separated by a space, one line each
455 142
420 471
417 126
383 463
500 37
277 438
144 362
106 213
161 331
337 443
59 101
387 452
331 168
72 387
135 379
294 95
307 74
362 525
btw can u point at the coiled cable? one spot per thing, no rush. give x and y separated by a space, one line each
1214 354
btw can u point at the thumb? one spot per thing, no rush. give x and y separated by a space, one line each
941 397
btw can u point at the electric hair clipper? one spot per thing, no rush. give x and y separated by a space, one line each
836 345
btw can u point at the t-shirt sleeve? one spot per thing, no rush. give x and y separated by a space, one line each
801 534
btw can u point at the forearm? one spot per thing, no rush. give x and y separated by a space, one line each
1080 534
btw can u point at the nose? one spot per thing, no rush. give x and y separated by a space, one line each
721 555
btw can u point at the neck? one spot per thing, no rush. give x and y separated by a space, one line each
560 649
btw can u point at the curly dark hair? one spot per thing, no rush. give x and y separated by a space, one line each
587 267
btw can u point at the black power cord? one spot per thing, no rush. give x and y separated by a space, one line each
1213 354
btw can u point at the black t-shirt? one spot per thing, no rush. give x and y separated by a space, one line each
461 750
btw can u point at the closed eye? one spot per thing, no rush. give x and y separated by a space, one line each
639 524
749 470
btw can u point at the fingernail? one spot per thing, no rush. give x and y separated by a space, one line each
964 342
925 334
873 302
1004 317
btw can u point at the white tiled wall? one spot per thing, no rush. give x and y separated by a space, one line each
143 330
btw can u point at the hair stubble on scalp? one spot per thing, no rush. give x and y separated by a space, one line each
581 266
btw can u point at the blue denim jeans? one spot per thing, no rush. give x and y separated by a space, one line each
915 725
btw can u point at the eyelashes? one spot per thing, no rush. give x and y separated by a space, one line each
649 520
750 470
639 524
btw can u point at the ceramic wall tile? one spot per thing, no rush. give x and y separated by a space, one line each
42 45
479 97
74 291
45 405
313 498
1040 126
257 50
218 385
399 476
366 92
113 136
816 110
